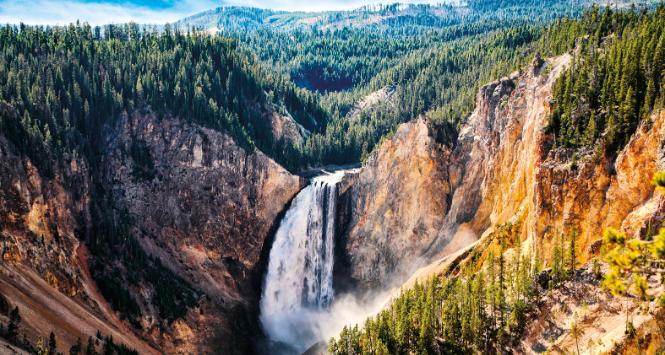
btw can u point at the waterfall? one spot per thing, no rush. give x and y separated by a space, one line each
298 286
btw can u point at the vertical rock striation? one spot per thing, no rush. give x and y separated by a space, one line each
206 210
416 200
396 204
189 195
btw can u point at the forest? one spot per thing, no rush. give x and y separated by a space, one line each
63 90
597 103
62 85
484 305
616 80
483 309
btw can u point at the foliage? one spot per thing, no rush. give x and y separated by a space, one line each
478 311
111 243
12 331
659 180
432 57
616 79
77 348
632 262
52 344
108 347
13 326
441 81
61 85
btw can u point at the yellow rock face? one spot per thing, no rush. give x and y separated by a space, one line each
36 220
398 203
598 194
413 196
508 167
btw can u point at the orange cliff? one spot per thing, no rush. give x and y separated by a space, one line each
416 200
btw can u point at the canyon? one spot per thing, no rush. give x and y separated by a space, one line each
419 208
218 217
188 211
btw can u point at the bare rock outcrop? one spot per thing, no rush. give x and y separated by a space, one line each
207 206
503 168
204 207
193 199
43 217
398 202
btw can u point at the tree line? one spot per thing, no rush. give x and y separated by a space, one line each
615 81
60 86
483 307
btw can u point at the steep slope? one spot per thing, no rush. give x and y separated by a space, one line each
600 317
501 169
193 213
438 196
185 193
504 180
194 207
397 204
134 184
41 270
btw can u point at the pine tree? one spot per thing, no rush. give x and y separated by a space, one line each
576 333
591 130
500 293
76 348
41 348
559 260
52 344
491 291
573 256
90 348
13 326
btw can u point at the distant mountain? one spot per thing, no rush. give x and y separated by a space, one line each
383 17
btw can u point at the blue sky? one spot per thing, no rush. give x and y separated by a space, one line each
98 12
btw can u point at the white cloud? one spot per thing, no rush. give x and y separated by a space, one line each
67 11
54 12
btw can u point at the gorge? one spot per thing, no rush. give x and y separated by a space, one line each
467 177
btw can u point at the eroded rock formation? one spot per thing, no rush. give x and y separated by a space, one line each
189 195
419 200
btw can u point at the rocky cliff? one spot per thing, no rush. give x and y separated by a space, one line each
200 207
205 210
417 200
396 204
444 207
43 269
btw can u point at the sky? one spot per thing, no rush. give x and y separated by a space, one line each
98 12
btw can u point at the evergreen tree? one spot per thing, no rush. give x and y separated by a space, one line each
77 348
52 344
13 326
573 256
90 348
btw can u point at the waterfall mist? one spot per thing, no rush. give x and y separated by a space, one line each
298 305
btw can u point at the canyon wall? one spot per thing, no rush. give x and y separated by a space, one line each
416 200
199 205
396 205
